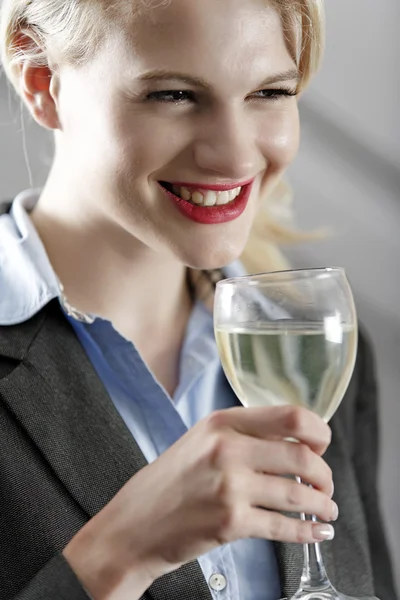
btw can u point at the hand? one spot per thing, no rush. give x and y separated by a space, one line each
209 488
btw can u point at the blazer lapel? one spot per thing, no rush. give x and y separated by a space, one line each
58 398
60 401
290 561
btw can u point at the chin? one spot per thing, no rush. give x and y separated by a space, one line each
208 258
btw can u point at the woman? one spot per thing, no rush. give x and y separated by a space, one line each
129 470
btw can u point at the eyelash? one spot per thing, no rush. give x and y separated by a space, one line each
189 96
278 93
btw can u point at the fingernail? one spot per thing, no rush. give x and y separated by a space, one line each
323 532
335 511
333 489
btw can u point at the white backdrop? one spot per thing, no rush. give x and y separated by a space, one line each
347 175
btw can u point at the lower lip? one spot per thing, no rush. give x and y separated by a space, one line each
212 215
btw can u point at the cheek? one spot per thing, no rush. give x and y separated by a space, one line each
111 139
280 137
142 145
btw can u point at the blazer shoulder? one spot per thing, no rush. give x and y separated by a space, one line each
364 367
363 378
366 353
15 340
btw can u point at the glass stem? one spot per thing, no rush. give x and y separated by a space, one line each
314 576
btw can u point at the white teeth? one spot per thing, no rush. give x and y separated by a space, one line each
184 193
206 197
197 198
210 199
223 198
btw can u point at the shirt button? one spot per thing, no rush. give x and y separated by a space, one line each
217 582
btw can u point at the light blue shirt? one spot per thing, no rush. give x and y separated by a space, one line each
246 569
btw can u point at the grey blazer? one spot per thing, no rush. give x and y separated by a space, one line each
65 452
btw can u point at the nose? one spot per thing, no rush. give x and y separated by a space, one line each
226 146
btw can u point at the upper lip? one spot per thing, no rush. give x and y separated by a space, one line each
220 187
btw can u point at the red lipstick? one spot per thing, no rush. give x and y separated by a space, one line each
211 215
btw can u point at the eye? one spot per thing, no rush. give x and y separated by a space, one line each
172 96
274 95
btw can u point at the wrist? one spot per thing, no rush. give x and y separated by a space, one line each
102 571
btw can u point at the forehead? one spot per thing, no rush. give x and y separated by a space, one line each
206 36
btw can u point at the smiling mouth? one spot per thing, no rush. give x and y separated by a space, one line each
201 197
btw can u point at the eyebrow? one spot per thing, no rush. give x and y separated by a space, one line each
161 75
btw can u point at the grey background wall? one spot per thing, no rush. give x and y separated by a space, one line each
347 175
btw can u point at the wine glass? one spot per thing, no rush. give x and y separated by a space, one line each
290 337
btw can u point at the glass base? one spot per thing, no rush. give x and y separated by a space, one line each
324 592
302 595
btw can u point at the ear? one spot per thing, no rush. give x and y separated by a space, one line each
38 86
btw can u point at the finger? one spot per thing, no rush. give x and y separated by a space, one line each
286 458
278 421
277 493
276 527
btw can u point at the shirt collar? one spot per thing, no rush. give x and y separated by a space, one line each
27 279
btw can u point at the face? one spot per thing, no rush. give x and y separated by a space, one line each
180 125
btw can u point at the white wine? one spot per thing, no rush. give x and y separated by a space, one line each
284 362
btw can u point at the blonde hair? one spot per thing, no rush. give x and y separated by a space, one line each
70 31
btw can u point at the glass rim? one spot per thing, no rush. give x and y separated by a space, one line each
268 274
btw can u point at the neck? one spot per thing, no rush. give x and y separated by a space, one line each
107 272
